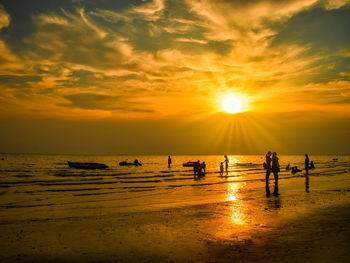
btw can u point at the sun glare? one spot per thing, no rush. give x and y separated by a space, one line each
231 105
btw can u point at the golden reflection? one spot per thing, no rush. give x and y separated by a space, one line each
232 192
237 217
232 161
232 195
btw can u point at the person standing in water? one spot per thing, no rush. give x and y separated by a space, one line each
306 164
203 166
169 161
226 163
267 166
275 169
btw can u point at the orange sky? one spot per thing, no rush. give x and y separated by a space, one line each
157 62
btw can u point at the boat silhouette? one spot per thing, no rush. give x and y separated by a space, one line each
79 165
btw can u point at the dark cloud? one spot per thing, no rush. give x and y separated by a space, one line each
14 81
85 78
93 101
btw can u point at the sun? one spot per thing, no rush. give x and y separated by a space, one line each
231 105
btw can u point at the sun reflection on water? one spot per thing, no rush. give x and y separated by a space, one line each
232 192
233 195
237 217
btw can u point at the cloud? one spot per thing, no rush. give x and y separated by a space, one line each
151 9
4 18
9 62
160 53
76 40
15 81
236 19
335 4
93 101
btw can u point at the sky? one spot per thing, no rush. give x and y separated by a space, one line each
149 77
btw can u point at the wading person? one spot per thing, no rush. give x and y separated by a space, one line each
306 163
169 161
267 166
203 166
275 169
226 163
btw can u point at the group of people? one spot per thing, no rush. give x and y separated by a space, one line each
199 168
308 165
226 161
271 164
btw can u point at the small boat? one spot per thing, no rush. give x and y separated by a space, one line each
191 164
125 163
79 165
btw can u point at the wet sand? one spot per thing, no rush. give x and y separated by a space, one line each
222 232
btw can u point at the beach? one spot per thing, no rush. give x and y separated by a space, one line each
215 219
192 234
174 131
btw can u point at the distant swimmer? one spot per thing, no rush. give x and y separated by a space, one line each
312 165
169 161
295 170
136 162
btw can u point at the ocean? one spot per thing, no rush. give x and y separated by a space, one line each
43 186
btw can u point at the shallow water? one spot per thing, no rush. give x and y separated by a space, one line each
43 186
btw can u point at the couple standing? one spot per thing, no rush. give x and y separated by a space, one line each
272 165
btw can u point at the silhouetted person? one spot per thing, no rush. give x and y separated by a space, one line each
169 161
295 170
275 169
288 167
306 164
226 163
136 162
203 166
197 167
267 166
312 165
221 168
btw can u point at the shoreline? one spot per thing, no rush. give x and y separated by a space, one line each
198 233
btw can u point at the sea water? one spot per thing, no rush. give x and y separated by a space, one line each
44 186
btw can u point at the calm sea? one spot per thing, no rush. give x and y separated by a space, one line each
43 186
